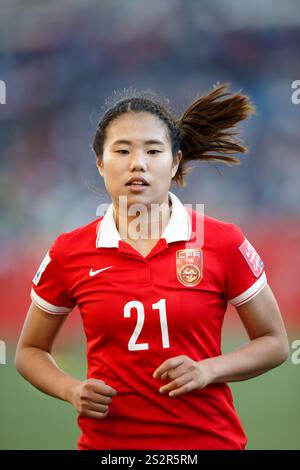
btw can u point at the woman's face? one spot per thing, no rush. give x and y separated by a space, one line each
138 150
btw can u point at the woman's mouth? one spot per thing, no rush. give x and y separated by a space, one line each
137 185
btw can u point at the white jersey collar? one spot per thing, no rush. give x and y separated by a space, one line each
178 228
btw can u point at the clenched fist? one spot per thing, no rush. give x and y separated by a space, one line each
92 398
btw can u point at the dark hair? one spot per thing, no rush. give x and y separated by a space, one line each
206 131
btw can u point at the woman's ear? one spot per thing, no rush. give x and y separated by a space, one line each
176 162
100 166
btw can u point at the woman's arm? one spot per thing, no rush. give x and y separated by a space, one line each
268 347
35 363
33 357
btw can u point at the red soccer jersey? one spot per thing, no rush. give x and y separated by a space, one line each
139 311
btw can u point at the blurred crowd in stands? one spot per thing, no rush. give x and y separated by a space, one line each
61 60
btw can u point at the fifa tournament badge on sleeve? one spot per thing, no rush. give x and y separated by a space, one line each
252 257
189 267
41 269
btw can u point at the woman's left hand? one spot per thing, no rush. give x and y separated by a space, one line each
184 374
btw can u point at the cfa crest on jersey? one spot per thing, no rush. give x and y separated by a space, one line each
41 269
189 267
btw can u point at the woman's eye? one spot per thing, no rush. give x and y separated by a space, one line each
125 152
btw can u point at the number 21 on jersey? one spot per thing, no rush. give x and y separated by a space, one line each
136 304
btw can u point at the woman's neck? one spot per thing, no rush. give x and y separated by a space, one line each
141 221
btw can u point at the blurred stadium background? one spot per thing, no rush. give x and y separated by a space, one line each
60 61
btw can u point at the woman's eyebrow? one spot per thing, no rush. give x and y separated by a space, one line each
147 142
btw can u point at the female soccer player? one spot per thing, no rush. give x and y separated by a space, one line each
153 288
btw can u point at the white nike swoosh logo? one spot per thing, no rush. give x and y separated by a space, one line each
93 273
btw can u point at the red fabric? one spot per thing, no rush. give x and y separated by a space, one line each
243 266
140 417
50 284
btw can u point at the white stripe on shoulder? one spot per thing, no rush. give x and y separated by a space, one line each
251 292
44 305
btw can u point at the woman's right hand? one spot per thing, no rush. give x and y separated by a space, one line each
92 398
35 363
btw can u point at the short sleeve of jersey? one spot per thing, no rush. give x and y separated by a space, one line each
245 276
48 289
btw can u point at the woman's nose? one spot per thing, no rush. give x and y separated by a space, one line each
138 161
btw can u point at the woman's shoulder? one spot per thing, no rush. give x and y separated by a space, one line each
213 224
213 232
79 236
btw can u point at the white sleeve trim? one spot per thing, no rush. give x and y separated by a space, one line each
44 305
251 292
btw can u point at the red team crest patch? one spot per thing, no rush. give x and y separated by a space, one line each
252 257
189 267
